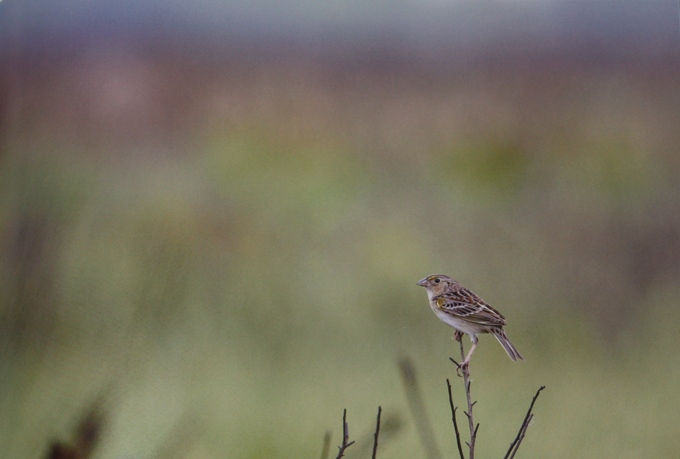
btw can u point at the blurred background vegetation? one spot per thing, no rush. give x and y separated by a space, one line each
212 219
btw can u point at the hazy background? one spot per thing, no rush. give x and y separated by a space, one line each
213 215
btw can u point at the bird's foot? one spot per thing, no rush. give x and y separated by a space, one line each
462 367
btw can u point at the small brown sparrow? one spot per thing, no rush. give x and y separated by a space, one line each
461 309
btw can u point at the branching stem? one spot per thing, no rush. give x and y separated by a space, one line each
345 436
465 370
514 446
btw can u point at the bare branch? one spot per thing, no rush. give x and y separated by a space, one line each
520 436
345 436
465 369
375 436
464 372
514 446
455 422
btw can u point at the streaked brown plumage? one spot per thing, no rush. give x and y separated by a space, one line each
461 309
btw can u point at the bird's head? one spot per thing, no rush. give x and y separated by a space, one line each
436 284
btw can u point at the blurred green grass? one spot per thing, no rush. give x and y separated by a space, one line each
258 277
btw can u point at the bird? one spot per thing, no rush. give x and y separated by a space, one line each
467 313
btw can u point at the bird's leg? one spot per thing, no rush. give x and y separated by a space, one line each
463 366
458 336
472 349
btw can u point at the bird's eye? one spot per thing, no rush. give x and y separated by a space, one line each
436 280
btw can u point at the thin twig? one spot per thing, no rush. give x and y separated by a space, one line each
326 445
455 422
470 404
375 436
345 436
390 425
415 401
514 446
522 433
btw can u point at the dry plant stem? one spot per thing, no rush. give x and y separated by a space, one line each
455 421
465 369
375 435
326 445
345 436
417 406
466 381
514 446
520 436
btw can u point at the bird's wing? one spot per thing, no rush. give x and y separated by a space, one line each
468 306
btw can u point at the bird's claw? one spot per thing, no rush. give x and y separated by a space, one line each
461 367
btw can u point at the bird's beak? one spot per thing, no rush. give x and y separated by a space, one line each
422 282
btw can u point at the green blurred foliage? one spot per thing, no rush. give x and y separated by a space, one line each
495 171
229 292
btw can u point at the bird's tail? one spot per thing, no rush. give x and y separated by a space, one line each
502 338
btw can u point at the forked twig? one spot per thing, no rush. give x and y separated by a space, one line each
455 422
514 446
345 436
465 369
375 435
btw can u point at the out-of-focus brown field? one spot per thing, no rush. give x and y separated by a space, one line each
216 249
